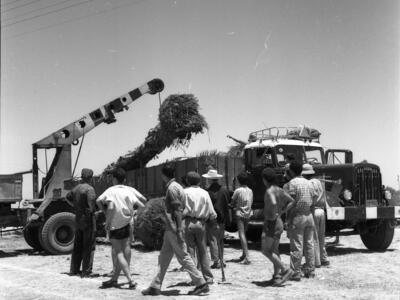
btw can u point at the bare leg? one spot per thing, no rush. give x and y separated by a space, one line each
119 246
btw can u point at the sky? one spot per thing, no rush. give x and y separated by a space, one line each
332 65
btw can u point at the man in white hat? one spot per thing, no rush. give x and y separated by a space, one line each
215 231
321 256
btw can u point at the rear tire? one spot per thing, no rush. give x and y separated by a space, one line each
380 237
58 233
31 235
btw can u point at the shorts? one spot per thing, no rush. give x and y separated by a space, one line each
120 233
273 228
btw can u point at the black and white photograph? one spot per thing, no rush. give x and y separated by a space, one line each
222 149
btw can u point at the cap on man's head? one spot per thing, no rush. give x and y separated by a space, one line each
86 173
307 170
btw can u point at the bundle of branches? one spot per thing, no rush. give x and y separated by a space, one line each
149 224
179 119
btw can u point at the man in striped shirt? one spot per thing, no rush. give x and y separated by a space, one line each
301 222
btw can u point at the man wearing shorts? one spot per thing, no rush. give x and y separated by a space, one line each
119 202
276 203
242 200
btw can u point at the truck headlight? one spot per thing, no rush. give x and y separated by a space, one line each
388 195
347 195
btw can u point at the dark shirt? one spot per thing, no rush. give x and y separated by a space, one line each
220 199
81 195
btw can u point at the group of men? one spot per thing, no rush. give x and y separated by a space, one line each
194 216
302 200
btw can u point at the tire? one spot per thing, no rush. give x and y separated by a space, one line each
380 237
58 233
31 235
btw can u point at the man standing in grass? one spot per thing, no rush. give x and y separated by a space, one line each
174 243
119 202
276 203
242 200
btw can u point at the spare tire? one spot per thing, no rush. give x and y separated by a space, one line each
379 237
31 235
58 233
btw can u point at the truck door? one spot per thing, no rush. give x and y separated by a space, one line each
338 156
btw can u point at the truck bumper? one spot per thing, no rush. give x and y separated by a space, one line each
363 213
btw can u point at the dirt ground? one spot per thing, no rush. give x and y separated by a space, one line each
355 273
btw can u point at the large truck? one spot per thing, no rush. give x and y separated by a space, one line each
48 218
357 202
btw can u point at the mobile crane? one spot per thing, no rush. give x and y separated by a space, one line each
50 217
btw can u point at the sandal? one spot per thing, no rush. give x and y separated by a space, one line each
109 284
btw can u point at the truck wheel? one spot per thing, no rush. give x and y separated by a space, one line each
58 233
380 237
31 235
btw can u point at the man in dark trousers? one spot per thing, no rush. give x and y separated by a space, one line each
220 199
83 197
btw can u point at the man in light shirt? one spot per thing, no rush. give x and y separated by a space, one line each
321 256
198 210
242 201
119 202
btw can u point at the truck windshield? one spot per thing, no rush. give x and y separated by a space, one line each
286 153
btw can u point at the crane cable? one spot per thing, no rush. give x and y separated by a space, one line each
79 152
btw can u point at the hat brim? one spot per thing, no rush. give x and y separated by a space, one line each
212 176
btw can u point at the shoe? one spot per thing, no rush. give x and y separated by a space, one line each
325 263
216 265
151 291
198 290
295 277
309 275
286 275
132 285
109 284
318 266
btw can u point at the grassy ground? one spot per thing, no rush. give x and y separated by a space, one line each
355 273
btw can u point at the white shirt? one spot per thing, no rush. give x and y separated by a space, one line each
198 204
124 198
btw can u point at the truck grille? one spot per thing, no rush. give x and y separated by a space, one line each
368 186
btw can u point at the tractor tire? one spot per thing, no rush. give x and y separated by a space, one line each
380 237
58 233
31 235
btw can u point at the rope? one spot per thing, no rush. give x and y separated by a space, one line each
79 152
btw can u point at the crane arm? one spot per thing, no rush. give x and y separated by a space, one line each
104 114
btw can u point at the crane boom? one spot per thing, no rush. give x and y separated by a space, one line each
75 130
62 139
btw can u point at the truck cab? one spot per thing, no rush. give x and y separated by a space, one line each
356 200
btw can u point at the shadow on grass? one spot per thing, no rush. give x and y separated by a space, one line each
14 253
182 283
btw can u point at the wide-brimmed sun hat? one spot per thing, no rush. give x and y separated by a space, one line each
307 170
212 174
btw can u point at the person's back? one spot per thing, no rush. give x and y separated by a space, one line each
303 192
198 203
81 195
124 199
